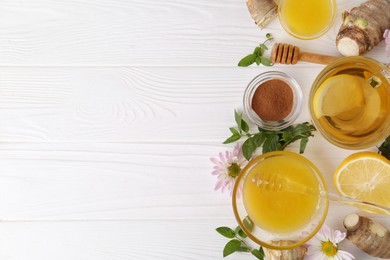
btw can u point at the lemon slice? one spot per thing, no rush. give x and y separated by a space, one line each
365 176
338 94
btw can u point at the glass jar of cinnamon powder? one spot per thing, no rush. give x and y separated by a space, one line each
273 100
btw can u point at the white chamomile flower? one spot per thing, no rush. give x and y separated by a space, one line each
324 246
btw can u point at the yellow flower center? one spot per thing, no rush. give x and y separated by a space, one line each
234 170
329 249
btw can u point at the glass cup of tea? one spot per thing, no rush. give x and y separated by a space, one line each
349 102
280 200
307 19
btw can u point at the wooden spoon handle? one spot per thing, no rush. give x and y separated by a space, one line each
316 58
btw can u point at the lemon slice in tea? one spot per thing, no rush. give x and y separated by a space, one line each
339 94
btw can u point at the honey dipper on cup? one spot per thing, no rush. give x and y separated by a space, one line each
289 54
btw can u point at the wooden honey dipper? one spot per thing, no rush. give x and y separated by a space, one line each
289 54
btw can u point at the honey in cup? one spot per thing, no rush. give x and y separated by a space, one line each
284 195
280 209
307 19
350 102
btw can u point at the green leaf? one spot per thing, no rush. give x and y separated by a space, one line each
256 51
247 60
238 119
384 149
301 130
258 60
303 144
266 62
239 232
243 249
231 247
271 143
248 147
233 131
232 139
287 136
263 46
248 223
258 253
258 139
244 126
226 232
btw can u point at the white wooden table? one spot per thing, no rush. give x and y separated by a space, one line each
109 112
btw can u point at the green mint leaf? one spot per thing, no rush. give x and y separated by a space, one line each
303 144
384 148
258 60
233 131
248 223
232 139
257 51
263 46
287 136
247 60
238 119
244 126
258 253
271 143
301 130
258 139
243 249
226 232
248 147
266 61
231 247
239 232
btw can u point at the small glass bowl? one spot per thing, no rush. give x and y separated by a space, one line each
251 89
292 30
309 227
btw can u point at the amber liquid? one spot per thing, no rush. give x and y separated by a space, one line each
284 210
363 121
306 17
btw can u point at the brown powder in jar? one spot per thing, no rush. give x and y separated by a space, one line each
273 100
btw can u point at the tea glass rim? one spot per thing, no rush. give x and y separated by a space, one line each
241 176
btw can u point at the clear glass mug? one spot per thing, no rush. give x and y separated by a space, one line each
366 122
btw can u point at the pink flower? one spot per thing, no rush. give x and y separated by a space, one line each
227 167
324 245
386 36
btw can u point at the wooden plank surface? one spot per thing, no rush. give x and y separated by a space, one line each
110 110
135 32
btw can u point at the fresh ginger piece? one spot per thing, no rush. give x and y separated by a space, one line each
296 253
368 235
262 11
363 27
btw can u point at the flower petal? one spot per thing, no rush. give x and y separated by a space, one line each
345 255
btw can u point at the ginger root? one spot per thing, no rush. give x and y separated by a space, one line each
292 254
262 11
363 27
368 235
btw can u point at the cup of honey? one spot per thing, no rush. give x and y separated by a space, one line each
307 19
283 195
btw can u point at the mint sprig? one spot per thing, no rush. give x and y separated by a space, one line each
257 55
384 149
237 242
269 140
